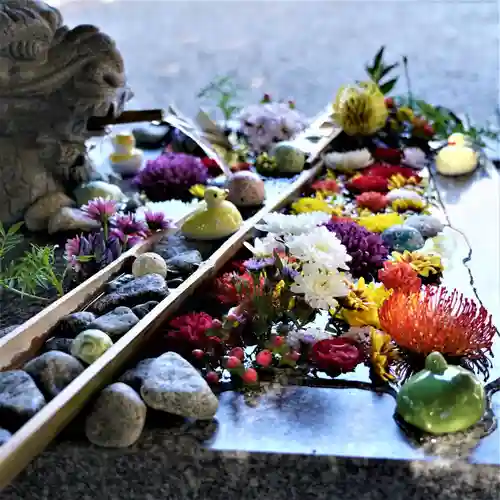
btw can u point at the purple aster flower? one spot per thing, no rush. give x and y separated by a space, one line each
156 221
100 209
170 176
289 272
128 225
366 248
258 264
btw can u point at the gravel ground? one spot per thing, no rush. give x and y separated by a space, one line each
302 49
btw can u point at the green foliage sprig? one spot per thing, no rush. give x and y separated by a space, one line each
32 273
444 121
224 92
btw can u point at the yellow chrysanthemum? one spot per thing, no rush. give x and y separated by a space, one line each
380 222
405 114
403 205
424 264
317 204
360 110
369 298
278 289
197 190
398 181
382 354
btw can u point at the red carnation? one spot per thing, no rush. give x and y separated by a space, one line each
365 183
387 171
192 328
400 276
232 288
389 155
212 166
376 202
338 355
326 185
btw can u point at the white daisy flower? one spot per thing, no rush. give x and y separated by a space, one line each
265 247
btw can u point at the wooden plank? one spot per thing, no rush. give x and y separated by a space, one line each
36 434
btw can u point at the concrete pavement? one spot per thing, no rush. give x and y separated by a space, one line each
301 49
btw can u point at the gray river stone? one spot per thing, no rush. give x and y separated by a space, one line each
117 417
53 371
117 322
173 385
20 399
142 309
71 325
137 375
135 292
58 344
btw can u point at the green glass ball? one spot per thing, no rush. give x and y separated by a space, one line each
442 398
289 159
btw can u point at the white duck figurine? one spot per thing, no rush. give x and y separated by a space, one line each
458 157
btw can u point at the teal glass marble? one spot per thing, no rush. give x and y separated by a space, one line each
401 238
442 398
289 159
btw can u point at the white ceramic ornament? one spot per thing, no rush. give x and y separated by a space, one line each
149 263
126 159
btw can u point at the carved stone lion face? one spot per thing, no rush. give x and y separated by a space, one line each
53 79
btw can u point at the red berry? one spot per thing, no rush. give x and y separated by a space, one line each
428 130
237 352
212 378
278 341
232 362
250 376
264 358
293 355
198 353
216 323
389 102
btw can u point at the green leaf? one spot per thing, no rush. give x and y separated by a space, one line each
387 69
388 86
15 228
378 58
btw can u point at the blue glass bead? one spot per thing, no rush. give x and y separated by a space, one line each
427 225
401 238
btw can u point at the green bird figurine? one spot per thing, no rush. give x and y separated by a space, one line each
442 398
216 219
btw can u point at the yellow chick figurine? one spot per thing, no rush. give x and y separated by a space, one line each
126 159
218 218
457 158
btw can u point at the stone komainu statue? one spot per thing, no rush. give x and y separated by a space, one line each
52 81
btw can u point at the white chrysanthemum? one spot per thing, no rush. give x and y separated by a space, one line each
321 247
307 336
280 224
319 287
265 247
350 160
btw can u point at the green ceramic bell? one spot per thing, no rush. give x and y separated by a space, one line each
289 159
441 398
218 219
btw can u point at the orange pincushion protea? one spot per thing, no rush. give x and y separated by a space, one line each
436 319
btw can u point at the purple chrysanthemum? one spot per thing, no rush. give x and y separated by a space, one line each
170 176
128 225
366 248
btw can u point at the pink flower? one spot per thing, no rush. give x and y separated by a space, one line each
156 221
100 209
72 251
128 225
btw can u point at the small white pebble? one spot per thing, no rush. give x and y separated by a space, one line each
149 263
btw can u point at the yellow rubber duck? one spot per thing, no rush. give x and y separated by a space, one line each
458 157
218 218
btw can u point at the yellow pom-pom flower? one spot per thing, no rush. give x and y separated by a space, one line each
361 109
317 204
380 222
403 205
198 190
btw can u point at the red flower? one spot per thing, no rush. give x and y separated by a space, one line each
338 355
400 276
212 166
232 288
326 185
365 183
192 328
436 319
336 218
389 155
376 202
387 171
389 102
